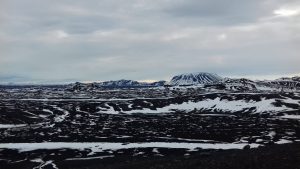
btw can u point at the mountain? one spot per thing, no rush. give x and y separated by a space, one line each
209 80
292 82
284 83
195 78
295 78
78 86
158 83
130 83
119 83
112 84
237 84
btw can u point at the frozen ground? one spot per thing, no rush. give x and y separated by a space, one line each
41 126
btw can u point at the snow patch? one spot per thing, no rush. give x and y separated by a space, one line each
283 141
265 105
297 117
5 126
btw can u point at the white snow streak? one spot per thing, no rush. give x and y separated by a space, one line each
101 146
297 117
4 126
264 105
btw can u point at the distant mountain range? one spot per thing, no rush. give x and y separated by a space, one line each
129 83
179 80
114 84
192 79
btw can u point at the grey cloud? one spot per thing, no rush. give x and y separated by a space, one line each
225 12
102 40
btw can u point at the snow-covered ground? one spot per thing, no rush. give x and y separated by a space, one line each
297 117
98 123
265 105
61 118
102 146
11 125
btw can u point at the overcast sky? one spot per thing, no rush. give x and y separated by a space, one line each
97 40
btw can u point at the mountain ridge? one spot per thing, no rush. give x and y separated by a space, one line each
190 79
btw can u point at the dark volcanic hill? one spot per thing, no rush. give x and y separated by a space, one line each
195 78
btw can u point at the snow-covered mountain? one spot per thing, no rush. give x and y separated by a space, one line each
158 83
285 82
119 83
130 83
210 80
241 84
80 86
195 78
112 84
295 78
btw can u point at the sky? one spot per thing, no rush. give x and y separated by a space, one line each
54 41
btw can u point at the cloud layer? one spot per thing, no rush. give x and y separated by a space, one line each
92 40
